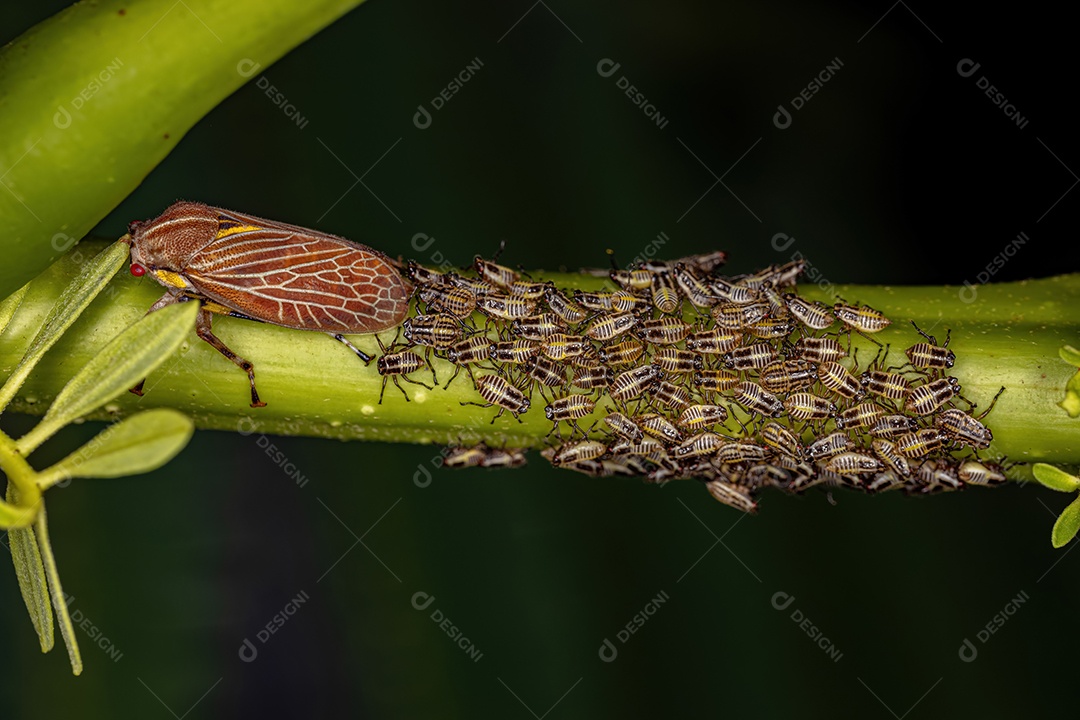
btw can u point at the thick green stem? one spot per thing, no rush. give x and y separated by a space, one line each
1003 335
95 97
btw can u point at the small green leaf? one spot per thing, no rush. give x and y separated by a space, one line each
10 306
127 359
1055 478
63 619
1070 355
1067 524
82 290
139 444
31 575
1071 403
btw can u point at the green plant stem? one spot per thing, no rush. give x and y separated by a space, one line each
1008 336
93 98
21 475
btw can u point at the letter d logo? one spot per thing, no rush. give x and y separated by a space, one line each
248 651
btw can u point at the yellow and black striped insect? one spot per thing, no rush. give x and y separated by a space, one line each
439 330
545 372
537 327
716 380
632 383
731 496
569 409
832 444
928 355
567 310
595 301
497 391
638 279
514 352
960 427
592 377
928 398
786 376
677 361
888 427
505 307
663 331
739 452
862 319
814 315
257 269
750 357
579 452
893 386
730 292
443 298
704 443
702 417
806 406
610 326
887 453
973 472
781 439
395 365
819 350
732 316
562 346
937 475
483 456
863 415
694 288
665 296
920 443
713 342
770 328
838 379
626 301
666 393
626 352
477 286
755 400
527 290
494 273
623 427
659 427
470 351
425 276
853 463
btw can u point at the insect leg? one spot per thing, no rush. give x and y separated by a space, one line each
359 353
202 329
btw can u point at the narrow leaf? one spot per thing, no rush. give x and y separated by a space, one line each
83 289
1070 355
127 359
63 619
1055 478
139 444
31 575
1067 524
10 306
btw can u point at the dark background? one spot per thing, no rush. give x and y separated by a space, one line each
898 171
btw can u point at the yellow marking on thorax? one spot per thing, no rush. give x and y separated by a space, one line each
226 232
171 279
